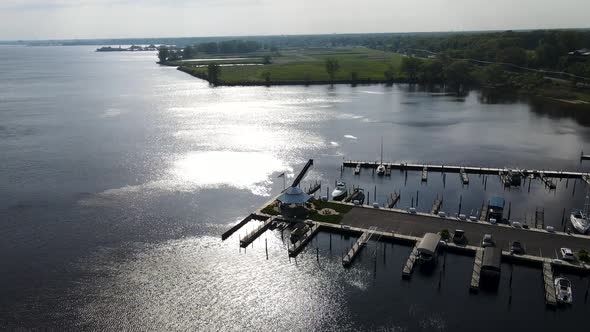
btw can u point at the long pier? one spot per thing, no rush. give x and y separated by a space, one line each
409 266
361 242
550 296
474 286
237 226
436 206
392 200
299 245
250 237
466 169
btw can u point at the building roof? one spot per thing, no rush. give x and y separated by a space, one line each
492 258
294 195
496 202
429 243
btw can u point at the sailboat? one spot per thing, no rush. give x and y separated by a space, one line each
381 167
579 218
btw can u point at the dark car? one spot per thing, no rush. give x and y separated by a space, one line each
516 248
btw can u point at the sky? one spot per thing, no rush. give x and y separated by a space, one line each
73 19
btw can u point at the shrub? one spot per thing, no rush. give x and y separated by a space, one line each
584 256
445 235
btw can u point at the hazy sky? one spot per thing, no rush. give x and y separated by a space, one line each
64 19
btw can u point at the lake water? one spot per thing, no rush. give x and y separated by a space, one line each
117 177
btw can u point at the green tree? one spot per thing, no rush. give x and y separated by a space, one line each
213 72
187 52
354 76
389 73
514 55
411 67
494 75
163 53
433 72
267 60
332 67
458 73
266 75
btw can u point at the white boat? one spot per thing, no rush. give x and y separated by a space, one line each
563 290
381 167
579 218
340 192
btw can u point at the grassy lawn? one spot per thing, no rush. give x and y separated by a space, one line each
309 65
333 219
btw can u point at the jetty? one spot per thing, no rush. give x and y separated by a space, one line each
392 200
360 242
550 296
474 286
299 245
313 188
250 237
436 206
548 182
483 214
409 266
355 194
465 169
424 174
505 178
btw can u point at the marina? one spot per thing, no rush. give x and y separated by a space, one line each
410 228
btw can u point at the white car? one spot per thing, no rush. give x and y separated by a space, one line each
567 254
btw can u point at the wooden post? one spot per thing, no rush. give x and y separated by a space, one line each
509 209
530 180
563 216
417 195
266 248
460 203
374 194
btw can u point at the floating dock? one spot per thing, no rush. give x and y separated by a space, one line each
474 287
457 169
483 214
505 177
256 233
313 188
357 169
388 170
354 194
299 245
360 242
424 174
550 296
409 266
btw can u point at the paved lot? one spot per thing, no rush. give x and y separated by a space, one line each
536 243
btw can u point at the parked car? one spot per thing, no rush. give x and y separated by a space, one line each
567 254
516 248
487 241
459 236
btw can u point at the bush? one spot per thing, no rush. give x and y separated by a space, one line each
584 256
445 235
269 209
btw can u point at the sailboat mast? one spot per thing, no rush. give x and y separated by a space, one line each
381 150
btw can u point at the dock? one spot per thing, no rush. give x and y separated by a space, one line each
250 237
409 266
360 242
483 214
299 245
237 226
466 169
354 194
548 182
586 178
388 170
313 188
464 177
550 296
424 174
474 287
392 200
505 178
436 206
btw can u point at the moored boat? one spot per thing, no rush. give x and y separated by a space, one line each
563 290
340 192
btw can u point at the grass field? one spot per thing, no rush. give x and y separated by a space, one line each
308 65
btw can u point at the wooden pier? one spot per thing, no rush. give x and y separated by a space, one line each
237 226
361 242
474 287
424 174
548 182
457 169
409 266
505 177
299 245
550 296
354 194
392 201
313 188
586 178
436 206
483 214
256 233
